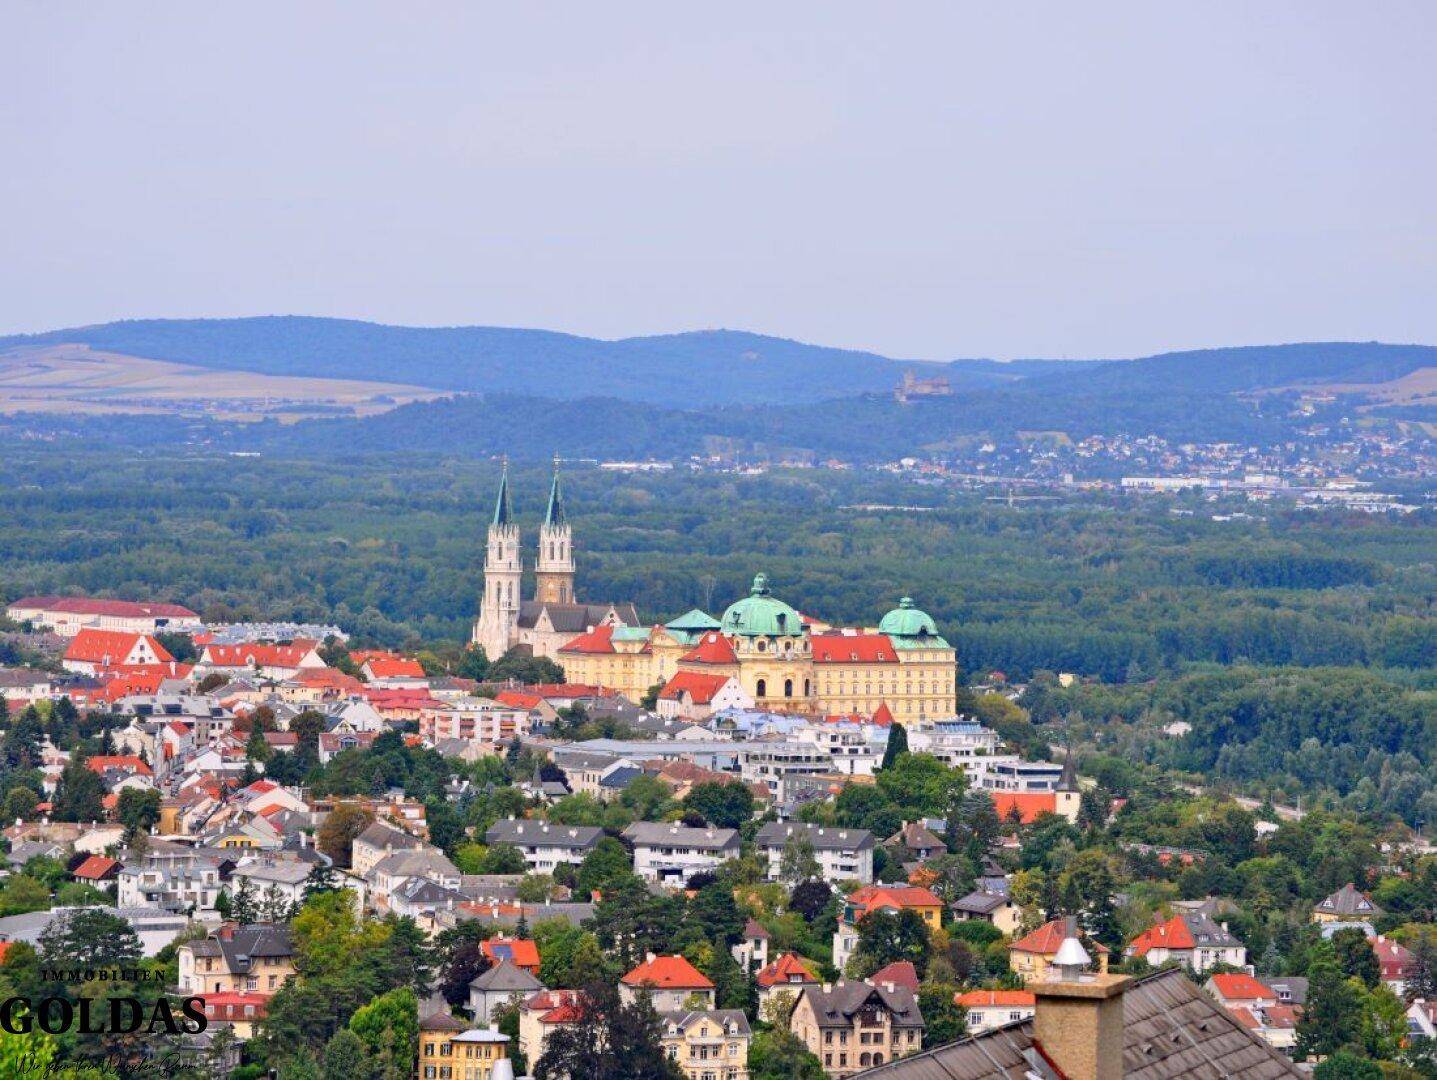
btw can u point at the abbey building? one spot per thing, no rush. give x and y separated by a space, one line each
553 616
761 652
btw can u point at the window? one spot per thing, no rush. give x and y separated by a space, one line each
761 688
788 688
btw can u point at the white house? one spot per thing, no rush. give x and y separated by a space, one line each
670 853
842 854
544 845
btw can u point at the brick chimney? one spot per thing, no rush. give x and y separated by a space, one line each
1078 1020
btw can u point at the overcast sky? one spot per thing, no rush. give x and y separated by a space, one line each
924 180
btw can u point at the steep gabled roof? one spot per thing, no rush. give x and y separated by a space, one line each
668 973
787 970
1045 940
110 647
713 648
700 686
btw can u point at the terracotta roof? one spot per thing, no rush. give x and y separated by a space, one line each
517 699
99 763
1045 940
883 716
599 639
754 929
667 973
872 898
1239 987
569 690
125 609
788 969
521 951
853 649
110 647
394 668
1173 934
1029 804
713 648
328 677
96 868
899 973
700 686
978 999
259 654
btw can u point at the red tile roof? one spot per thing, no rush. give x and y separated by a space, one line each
521 952
787 970
110 647
125 609
873 898
600 639
259 654
100 763
700 686
1029 803
883 716
570 690
1240 987
853 649
667 973
713 648
394 668
899 973
328 677
1045 940
96 868
517 699
978 999
1173 934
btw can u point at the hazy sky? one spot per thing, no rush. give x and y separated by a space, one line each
936 180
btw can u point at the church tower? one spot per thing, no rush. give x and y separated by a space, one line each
554 571
497 627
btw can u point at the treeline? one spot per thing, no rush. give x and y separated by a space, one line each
391 547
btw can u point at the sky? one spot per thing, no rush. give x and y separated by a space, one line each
926 180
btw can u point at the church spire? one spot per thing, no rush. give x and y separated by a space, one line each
503 508
554 515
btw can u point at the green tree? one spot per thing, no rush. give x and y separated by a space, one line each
517 664
896 747
609 1040
138 810
797 861
885 937
347 1058
20 803
389 1028
1345 1065
945 1021
1356 957
338 830
1332 1017
778 1054
80 793
725 804
89 938
608 861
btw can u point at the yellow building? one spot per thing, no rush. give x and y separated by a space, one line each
450 1050
708 1044
782 660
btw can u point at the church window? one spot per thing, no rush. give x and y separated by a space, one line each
788 688
762 645
805 688
761 688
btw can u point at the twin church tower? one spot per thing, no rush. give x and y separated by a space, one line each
553 616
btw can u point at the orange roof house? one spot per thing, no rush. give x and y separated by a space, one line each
893 898
1030 956
128 763
787 970
713 648
92 650
95 869
521 952
671 981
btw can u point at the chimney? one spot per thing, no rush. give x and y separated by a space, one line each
1078 1022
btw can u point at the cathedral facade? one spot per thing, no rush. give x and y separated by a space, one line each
553 616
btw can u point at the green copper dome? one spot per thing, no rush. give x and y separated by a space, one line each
759 614
908 621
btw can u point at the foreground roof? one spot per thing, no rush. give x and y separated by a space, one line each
1171 1030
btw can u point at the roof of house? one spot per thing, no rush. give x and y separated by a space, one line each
731 1020
102 763
1241 987
899 973
652 833
96 868
574 618
980 902
110 646
259 654
787 970
916 836
754 929
1189 930
1171 1030
836 1006
667 973
980 999
519 951
125 609
823 838
505 977
700 686
713 648
542 834
873 898
1348 901
1029 804
597 639
1046 940
393 667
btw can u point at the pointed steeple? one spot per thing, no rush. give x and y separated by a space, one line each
554 515
503 508
1069 780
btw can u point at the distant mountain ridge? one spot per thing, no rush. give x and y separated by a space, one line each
699 369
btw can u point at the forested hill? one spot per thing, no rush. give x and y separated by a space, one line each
702 368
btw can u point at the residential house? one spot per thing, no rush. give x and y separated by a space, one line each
842 854
751 951
915 842
273 881
671 853
697 695
1396 962
1031 956
543 1014
258 958
1347 904
707 1044
93 651
70 615
168 875
853 1026
450 1050
377 841
241 1011
502 984
887 898
787 975
544 845
671 982
1189 938
989 1009
997 908
521 952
